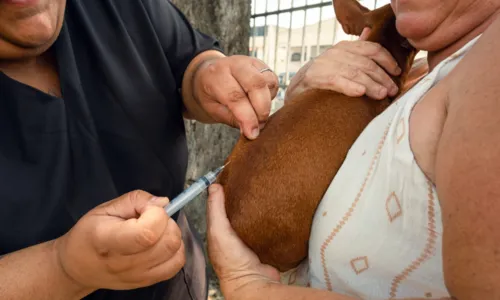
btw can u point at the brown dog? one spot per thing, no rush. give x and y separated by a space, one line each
274 184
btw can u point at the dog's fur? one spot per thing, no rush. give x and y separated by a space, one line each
274 184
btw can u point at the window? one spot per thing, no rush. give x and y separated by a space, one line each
258 31
296 56
322 48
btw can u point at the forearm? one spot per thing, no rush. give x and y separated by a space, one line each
281 291
35 273
193 110
268 291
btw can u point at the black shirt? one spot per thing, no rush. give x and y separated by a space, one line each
118 127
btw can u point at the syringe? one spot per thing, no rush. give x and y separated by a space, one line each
192 191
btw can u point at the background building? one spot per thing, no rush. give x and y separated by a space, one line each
286 34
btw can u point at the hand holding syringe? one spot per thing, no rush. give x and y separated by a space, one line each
192 191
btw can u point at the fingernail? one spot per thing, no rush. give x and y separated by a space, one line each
212 189
398 70
255 132
158 200
382 92
394 90
360 90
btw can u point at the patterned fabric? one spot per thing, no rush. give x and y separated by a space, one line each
377 234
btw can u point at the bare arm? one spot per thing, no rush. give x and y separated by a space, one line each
279 291
468 173
265 291
242 275
123 244
467 180
193 107
34 273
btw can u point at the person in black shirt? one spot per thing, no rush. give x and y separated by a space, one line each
92 99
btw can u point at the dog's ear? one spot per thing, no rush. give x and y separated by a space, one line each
353 16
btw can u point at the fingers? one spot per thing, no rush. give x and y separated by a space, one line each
351 79
230 257
351 63
270 272
342 85
144 223
236 93
255 86
170 267
240 113
165 249
161 263
365 33
354 69
148 274
148 247
124 243
271 79
216 210
258 88
220 234
374 51
159 201
367 73
135 235
128 205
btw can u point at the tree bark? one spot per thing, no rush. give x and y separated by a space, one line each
209 145
226 20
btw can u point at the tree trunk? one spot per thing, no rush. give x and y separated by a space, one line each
209 145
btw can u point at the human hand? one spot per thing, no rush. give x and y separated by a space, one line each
233 90
126 243
237 267
241 274
353 68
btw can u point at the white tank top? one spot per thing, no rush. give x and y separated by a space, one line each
377 233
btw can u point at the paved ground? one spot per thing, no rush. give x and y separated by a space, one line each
213 291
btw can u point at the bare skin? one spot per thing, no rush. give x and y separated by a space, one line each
136 221
26 33
454 136
242 275
126 243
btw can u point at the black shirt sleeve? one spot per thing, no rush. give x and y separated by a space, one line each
180 41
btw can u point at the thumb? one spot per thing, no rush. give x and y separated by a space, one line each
143 222
216 211
137 235
132 204
270 272
364 34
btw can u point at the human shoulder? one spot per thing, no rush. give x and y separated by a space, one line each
467 172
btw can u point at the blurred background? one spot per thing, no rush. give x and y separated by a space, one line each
285 34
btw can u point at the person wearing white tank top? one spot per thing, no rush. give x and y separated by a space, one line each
396 223
377 231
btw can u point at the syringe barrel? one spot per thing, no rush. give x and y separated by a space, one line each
187 195
211 177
